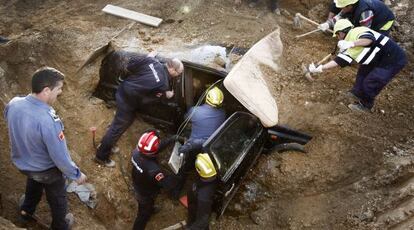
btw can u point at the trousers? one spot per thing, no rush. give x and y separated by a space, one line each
56 198
370 80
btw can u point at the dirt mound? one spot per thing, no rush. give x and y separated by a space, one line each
357 171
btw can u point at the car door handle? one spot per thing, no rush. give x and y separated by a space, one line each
229 191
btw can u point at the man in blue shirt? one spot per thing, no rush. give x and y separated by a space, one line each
38 147
205 119
146 80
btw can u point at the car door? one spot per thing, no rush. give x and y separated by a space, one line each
234 147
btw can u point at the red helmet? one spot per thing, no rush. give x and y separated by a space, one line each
149 143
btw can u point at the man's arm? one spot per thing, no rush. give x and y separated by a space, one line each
55 142
366 18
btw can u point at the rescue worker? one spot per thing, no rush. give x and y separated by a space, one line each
38 147
146 82
373 14
205 119
147 176
380 59
201 196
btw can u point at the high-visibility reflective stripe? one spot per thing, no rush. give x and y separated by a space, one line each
383 41
345 57
362 54
369 59
387 25
136 165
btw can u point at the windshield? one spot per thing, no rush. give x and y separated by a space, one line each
232 144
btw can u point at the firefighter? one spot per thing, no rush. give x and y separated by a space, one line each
205 119
147 176
379 58
201 196
373 14
146 82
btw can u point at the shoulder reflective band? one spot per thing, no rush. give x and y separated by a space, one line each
368 54
345 57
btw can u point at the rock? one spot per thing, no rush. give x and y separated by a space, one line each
257 217
157 40
219 61
141 32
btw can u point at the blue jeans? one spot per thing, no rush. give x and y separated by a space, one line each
56 198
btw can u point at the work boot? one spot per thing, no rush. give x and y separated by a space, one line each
358 107
70 219
4 40
350 95
23 217
107 163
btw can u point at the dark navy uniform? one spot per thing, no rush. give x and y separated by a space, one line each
146 78
200 204
379 63
148 178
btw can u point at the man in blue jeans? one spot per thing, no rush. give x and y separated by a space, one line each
378 56
146 81
38 147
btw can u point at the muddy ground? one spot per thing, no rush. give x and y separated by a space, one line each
357 173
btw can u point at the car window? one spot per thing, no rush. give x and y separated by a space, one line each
233 143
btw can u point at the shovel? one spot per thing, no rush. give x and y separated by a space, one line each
101 50
297 21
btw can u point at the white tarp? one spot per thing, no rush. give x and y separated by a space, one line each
246 82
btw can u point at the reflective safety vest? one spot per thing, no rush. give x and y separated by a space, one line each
383 16
362 55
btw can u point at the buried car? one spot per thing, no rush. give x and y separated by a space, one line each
251 127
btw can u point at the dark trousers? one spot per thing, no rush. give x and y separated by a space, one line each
370 80
56 198
190 149
145 211
124 117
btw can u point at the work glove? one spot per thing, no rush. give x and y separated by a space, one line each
344 45
324 26
169 94
315 69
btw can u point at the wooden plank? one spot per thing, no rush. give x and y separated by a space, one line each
133 15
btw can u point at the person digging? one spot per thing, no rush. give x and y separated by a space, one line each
378 56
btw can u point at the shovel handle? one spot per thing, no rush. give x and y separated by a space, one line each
324 59
299 15
310 32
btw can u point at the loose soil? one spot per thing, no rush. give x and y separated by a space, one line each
356 174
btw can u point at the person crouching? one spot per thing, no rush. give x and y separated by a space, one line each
147 176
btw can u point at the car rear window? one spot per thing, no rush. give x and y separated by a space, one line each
230 147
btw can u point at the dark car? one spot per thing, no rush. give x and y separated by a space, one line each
238 142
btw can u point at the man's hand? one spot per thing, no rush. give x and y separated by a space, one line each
344 45
324 26
169 94
315 69
81 179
